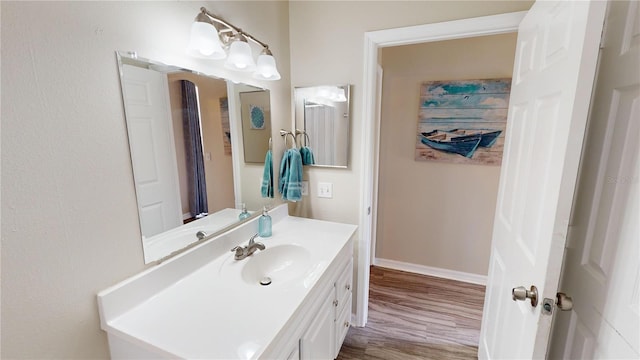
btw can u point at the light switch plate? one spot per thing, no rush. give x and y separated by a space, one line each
325 190
305 188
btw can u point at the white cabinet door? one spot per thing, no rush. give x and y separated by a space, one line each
553 73
317 343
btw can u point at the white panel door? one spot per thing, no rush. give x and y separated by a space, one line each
601 270
146 103
553 76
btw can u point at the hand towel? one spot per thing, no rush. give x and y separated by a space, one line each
290 182
284 174
307 156
267 176
294 181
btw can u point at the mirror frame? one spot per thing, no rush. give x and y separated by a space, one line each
162 67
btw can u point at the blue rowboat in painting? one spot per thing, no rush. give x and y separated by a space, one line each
488 137
464 145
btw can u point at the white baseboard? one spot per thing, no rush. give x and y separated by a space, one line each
432 271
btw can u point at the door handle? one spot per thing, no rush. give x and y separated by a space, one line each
522 294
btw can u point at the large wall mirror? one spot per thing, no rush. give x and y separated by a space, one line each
322 112
181 125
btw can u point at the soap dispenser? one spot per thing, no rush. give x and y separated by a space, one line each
264 224
244 214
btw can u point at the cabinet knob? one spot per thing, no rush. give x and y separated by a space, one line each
346 324
348 287
335 302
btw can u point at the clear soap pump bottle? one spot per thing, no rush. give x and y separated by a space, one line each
244 214
264 224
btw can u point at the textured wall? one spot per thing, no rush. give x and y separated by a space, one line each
327 39
429 211
69 219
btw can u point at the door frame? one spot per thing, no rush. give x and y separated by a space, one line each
373 42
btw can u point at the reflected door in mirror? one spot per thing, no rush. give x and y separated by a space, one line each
152 152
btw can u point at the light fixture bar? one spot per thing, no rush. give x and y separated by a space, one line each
215 38
231 27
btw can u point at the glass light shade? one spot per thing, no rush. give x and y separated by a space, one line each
266 68
240 58
205 42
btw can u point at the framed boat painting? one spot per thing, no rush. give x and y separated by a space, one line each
462 121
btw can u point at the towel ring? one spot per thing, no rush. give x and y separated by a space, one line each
284 133
307 140
270 144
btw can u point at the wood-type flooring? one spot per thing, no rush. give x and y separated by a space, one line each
414 316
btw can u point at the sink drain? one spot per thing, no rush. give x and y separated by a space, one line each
265 281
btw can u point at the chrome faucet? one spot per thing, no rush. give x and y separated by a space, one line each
244 251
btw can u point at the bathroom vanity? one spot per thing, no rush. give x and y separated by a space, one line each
205 304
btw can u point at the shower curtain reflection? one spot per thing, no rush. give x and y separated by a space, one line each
193 148
322 132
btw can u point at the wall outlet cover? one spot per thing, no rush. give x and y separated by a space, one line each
305 188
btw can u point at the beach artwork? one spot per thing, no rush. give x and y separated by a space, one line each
462 121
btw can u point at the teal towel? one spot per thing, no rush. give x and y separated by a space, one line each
284 174
267 176
290 182
307 156
294 182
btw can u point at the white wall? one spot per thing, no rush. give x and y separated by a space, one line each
327 40
429 211
69 220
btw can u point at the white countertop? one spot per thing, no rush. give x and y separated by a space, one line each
212 313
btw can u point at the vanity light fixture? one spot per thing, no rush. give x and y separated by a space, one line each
212 37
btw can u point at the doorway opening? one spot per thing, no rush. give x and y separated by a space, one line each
430 207
374 42
552 90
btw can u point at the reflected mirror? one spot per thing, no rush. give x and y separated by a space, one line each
181 127
322 112
256 124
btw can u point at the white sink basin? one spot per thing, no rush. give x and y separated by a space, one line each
281 263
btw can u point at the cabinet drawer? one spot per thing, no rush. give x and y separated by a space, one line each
343 322
343 285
